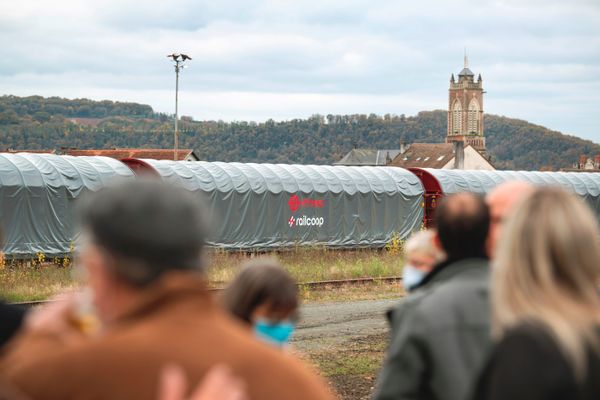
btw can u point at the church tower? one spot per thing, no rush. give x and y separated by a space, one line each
465 109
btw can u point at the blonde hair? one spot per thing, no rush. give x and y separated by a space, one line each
422 242
547 272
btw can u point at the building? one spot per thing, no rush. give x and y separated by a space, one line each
368 157
585 164
465 109
155 154
442 156
465 141
14 151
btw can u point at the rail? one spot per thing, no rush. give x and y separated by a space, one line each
310 285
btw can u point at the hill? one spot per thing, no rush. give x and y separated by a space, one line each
53 123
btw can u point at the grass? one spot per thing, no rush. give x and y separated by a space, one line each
353 370
313 264
28 283
35 283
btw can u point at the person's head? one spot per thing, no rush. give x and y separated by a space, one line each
265 296
547 271
502 200
421 255
133 233
462 223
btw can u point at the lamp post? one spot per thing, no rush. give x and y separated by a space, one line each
179 60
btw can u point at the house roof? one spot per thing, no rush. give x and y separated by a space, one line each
155 154
425 155
14 151
365 157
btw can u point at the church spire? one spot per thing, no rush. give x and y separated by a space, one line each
466 59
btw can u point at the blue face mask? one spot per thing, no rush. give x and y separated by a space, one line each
411 277
277 333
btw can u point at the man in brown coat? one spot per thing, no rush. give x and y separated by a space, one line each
141 251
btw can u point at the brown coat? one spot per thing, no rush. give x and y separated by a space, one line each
176 322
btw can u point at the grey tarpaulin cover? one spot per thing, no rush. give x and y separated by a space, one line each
585 184
277 205
37 192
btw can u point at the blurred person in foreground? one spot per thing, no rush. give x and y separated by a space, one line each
218 384
502 201
142 251
264 296
421 255
440 332
11 317
545 303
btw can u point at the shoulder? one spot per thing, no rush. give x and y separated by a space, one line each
529 338
526 364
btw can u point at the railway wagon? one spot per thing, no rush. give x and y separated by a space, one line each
267 206
439 182
37 197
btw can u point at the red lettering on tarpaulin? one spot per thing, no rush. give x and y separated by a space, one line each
296 203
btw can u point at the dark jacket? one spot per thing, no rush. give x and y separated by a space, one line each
440 335
11 318
527 364
175 322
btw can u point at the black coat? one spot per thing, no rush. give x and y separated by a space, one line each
527 364
11 318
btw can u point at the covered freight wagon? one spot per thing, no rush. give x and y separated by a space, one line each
263 206
37 195
441 182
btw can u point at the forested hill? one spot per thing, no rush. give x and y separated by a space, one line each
54 123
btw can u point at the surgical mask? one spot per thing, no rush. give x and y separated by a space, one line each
277 333
411 277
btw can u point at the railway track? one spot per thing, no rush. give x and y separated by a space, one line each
310 285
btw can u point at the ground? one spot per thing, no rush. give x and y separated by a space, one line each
346 341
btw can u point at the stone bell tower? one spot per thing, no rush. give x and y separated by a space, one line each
465 109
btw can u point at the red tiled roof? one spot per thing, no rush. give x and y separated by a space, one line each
425 155
156 154
28 151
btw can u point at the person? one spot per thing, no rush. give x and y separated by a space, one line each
545 303
141 248
441 332
219 384
502 200
11 316
421 256
264 296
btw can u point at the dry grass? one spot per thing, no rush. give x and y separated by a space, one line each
35 283
27 283
312 264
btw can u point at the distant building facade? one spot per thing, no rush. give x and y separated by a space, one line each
465 109
465 141
585 164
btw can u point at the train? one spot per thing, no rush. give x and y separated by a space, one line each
251 206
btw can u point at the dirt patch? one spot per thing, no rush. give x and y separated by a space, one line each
352 369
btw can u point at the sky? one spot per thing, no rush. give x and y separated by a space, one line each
280 59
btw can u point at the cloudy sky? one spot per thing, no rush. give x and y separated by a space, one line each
281 59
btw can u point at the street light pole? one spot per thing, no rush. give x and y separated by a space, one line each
176 138
179 60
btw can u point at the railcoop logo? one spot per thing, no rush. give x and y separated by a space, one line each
306 221
295 203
